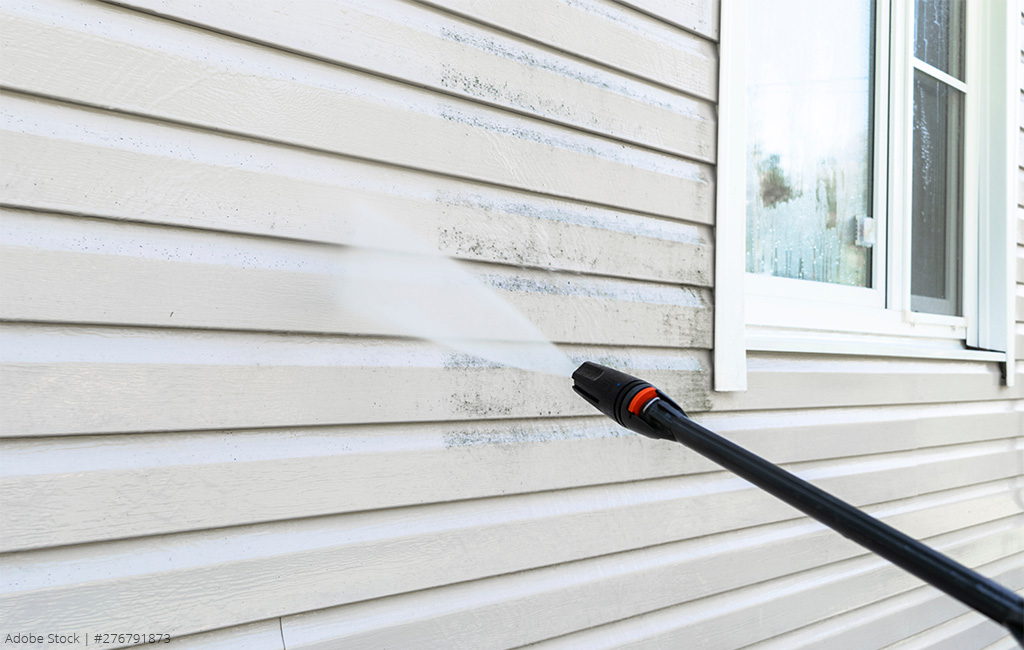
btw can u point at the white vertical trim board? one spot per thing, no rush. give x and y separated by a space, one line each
997 200
974 278
730 365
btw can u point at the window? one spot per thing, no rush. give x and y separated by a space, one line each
808 150
865 156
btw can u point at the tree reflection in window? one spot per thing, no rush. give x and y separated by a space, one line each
809 96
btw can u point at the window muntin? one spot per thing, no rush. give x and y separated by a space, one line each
939 34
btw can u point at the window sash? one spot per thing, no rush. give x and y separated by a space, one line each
905 66
811 155
874 296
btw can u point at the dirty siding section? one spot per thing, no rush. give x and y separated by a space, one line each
196 442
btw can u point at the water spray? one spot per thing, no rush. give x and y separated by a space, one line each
642 408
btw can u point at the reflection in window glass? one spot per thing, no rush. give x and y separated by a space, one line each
809 95
939 34
936 214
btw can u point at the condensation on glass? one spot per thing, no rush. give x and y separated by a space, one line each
809 126
937 159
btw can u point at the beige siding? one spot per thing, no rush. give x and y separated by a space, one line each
1020 195
859 407
196 441
264 635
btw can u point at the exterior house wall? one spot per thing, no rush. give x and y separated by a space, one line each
1020 194
196 442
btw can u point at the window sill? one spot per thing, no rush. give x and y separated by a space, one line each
810 318
782 339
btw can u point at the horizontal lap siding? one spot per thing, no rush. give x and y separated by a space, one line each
1019 342
637 44
863 402
259 476
838 601
103 380
264 635
111 273
311 564
783 604
195 438
643 590
95 163
700 16
490 68
191 75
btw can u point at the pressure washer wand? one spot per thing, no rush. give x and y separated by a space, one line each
640 407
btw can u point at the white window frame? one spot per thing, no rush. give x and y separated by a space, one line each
777 314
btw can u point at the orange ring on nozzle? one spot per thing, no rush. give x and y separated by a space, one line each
641 398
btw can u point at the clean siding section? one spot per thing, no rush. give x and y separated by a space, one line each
254 476
264 635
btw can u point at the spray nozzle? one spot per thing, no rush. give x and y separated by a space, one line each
617 395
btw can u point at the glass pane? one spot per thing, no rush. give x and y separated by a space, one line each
937 214
809 95
939 34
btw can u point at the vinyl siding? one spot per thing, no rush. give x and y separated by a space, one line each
195 441
1020 193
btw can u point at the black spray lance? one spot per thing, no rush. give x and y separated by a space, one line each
640 407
